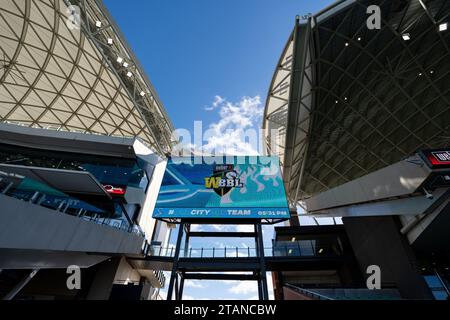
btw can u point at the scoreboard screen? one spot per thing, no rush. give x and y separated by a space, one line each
437 158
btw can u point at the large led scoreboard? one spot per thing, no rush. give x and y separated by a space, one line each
247 187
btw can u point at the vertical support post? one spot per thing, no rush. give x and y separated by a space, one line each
20 285
180 291
173 275
260 287
186 239
262 262
177 292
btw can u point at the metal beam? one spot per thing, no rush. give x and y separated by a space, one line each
219 276
174 275
20 285
212 234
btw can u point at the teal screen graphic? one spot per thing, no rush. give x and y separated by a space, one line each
222 187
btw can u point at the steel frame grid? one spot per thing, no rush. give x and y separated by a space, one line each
56 78
355 136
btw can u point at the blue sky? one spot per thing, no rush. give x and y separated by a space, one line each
207 58
193 50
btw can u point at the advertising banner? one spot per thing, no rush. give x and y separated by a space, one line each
248 187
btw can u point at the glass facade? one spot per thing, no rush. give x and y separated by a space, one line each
109 171
28 190
115 174
437 287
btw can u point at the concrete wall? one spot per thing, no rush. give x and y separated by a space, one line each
126 273
25 226
145 220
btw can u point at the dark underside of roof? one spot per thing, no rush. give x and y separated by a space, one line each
377 98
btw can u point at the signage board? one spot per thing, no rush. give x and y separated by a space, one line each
115 190
437 158
248 187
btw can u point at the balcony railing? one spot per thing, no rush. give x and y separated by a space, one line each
37 193
302 248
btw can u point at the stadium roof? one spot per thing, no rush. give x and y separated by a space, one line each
347 100
54 75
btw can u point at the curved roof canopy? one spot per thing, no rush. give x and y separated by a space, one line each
347 100
83 79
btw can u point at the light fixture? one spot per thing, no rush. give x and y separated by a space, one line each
119 59
320 250
336 102
346 44
129 74
443 26
420 74
142 93
125 64
290 251
406 36
98 24
359 39
110 41
293 239
431 71
345 98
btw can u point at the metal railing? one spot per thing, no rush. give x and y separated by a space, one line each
302 248
308 293
347 292
34 192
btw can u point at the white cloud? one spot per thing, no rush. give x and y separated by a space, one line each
218 100
197 228
245 228
218 227
229 134
244 287
194 284
236 132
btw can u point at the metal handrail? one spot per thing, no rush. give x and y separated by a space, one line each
308 292
234 252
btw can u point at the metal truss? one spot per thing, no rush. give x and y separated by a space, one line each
368 98
82 79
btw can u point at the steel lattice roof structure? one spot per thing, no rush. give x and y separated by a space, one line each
346 100
57 76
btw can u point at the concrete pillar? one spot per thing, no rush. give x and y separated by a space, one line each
378 241
103 280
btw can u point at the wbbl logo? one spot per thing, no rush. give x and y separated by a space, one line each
223 179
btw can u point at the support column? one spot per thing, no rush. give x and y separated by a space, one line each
378 241
186 239
174 274
20 285
177 296
102 284
260 287
262 272
180 291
